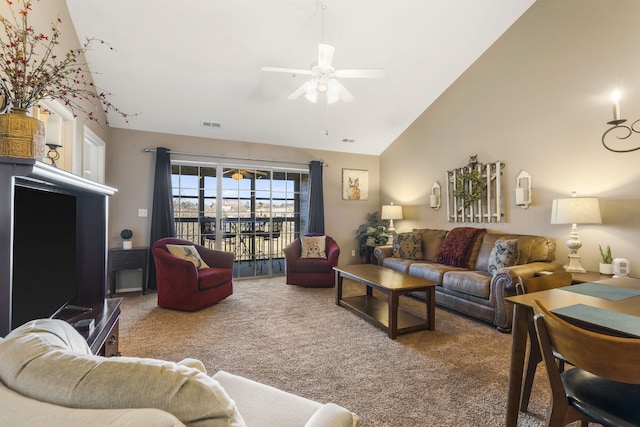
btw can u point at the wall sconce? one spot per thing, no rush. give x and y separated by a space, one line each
435 196
523 190
617 122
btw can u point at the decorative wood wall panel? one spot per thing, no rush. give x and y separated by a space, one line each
474 192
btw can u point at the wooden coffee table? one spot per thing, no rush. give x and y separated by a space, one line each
381 313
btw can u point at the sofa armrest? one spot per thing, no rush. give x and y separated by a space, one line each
382 252
332 415
531 269
180 270
502 286
216 258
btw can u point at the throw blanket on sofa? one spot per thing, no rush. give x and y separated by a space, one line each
457 246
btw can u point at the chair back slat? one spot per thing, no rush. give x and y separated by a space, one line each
611 357
544 282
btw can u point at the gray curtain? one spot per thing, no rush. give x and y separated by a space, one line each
316 198
162 221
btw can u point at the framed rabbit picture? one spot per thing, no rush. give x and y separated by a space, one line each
355 184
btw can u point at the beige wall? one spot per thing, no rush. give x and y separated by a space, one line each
131 171
539 100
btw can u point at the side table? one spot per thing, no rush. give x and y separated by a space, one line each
370 258
589 276
127 259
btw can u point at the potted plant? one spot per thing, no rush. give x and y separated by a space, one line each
32 69
606 266
126 235
374 231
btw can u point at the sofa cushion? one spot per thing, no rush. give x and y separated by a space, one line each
407 246
190 253
398 264
431 243
431 271
24 411
476 283
504 254
530 249
313 247
458 246
52 349
213 277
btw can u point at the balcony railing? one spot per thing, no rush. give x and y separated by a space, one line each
248 238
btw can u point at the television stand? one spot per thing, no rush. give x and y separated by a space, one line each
103 338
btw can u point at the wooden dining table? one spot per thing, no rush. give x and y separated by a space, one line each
555 299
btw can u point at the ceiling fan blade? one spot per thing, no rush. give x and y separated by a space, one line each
325 55
335 88
361 74
287 70
296 93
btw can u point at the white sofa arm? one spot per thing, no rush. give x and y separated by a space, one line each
332 415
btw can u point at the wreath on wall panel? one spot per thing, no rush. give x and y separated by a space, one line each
474 192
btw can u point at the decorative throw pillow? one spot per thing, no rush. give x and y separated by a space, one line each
503 254
190 253
407 245
52 349
313 247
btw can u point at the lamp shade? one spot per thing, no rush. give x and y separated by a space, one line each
391 212
576 210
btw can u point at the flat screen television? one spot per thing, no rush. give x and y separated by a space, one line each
44 253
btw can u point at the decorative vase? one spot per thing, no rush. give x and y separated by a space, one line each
606 268
21 136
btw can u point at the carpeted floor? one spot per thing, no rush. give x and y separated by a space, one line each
298 340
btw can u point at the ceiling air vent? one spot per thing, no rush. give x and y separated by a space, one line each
350 141
206 124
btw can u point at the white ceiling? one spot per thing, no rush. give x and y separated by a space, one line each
177 64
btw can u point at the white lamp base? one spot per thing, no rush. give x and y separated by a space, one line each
574 265
127 244
574 259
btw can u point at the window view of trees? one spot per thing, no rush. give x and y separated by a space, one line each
242 202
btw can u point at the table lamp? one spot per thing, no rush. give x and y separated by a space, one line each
391 212
575 210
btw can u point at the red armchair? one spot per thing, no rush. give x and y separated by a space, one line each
311 272
182 286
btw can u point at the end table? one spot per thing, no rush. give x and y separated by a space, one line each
127 259
370 257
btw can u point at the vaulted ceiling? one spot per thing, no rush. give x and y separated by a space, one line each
179 64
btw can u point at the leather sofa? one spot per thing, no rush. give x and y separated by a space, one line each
48 376
471 288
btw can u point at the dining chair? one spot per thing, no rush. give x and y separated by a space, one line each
525 285
604 384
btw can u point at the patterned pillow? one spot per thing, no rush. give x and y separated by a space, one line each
504 254
313 247
190 253
407 246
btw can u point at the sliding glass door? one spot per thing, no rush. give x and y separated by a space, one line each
253 212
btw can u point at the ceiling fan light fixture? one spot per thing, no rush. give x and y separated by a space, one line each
312 97
237 176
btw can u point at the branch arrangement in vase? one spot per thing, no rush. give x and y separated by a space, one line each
32 70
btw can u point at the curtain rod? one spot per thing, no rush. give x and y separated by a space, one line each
184 153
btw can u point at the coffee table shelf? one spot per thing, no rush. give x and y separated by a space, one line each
376 312
384 313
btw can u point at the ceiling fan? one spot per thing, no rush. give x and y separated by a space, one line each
238 174
324 78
